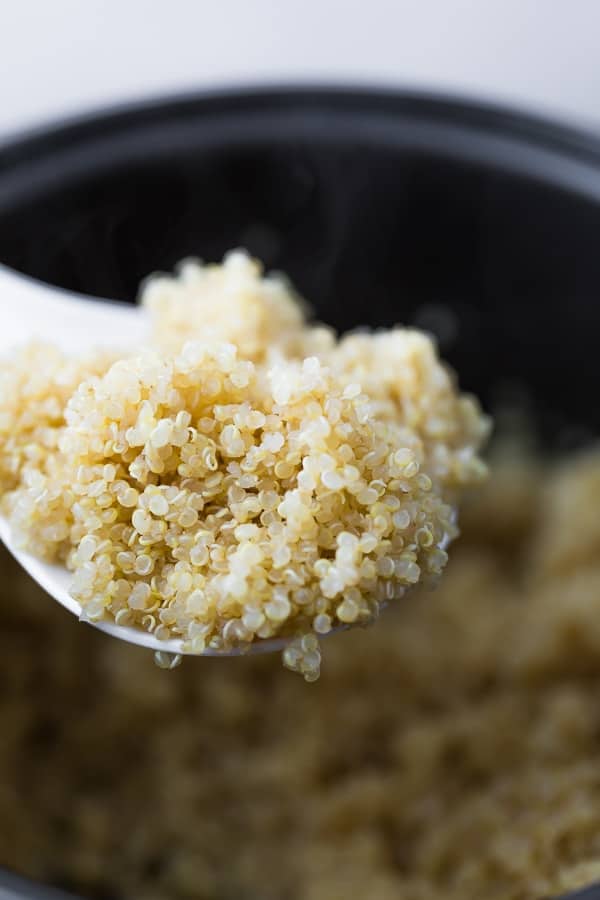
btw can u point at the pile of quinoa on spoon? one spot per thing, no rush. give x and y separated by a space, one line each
245 478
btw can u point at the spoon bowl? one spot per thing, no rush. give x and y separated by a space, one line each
77 324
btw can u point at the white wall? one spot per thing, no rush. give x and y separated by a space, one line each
60 56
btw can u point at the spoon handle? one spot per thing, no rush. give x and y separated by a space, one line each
35 311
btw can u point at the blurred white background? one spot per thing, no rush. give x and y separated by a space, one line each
61 56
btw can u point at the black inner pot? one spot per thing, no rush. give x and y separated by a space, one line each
381 207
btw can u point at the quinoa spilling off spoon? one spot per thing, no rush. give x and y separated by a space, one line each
244 478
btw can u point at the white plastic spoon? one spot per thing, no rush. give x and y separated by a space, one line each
76 324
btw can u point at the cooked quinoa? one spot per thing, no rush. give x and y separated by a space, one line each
250 477
450 753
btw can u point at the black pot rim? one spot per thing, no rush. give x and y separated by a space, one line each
470 112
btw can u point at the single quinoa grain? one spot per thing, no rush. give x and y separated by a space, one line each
260 480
